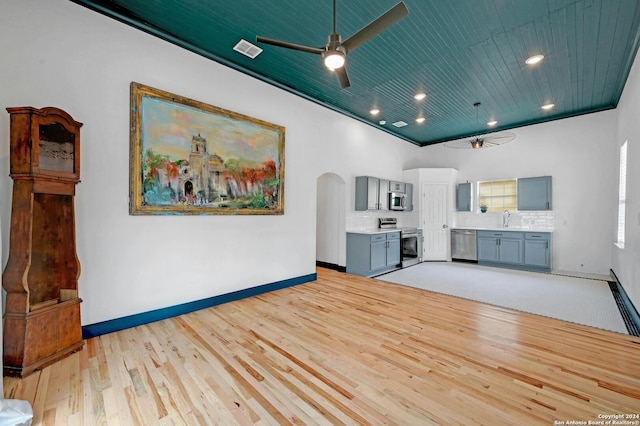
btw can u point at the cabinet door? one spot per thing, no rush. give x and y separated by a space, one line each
383 194
378 255
488 248
463 197
534 193
511 250
536 253
409 192
397 187
372 193
393 252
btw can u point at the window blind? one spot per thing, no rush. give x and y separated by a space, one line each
498 195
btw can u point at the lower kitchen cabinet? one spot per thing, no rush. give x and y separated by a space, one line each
503 247
513 249
537 250
372 254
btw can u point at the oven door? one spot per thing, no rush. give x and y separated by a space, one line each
411 249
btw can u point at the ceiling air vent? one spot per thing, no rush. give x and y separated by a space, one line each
399 124
247 49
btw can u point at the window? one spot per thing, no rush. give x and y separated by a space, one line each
622 194
498 195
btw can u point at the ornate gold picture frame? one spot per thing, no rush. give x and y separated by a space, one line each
188 157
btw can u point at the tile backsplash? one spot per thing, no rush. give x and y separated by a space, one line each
538 220
365 220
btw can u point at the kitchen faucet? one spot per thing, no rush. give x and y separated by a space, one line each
505 219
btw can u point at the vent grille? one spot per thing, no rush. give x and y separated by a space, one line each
247 49
399 124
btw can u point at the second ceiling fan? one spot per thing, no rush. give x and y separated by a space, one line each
336 50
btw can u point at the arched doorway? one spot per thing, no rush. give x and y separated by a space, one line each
331 234
188 188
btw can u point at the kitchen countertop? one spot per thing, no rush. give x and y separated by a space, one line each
479 228
372 231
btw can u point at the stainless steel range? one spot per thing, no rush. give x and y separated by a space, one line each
411 241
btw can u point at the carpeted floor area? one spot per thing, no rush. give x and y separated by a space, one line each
579 300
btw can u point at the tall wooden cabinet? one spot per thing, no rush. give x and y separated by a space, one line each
42 317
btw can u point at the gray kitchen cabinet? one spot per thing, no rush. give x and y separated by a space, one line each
463 197
515 249
372 254
537 250
501 247
409 192
534 193
371 193
397 186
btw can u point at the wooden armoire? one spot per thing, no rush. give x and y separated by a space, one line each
42 316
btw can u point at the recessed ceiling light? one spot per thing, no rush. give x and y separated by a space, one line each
534 59
375 111
399 124
548 106
492 123
420 96
382 122
420 120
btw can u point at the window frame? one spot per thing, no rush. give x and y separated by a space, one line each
622 196
509 190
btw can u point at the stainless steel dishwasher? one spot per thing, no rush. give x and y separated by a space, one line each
463 245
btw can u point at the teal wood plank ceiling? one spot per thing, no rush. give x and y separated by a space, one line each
457 52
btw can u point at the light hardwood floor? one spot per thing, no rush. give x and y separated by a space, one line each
342 349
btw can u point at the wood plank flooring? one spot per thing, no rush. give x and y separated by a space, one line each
342 350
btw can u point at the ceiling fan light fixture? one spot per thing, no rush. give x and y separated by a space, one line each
547 106
476 143
492 123
374 111
420 96
420 120
334 59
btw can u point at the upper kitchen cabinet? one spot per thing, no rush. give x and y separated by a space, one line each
534 193
409 192
372 193
463 197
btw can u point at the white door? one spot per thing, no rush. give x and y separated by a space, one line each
434 218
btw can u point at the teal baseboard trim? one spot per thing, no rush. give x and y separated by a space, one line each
631 313
333 266
117 324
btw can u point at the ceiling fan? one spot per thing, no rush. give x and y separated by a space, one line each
481 141
336 50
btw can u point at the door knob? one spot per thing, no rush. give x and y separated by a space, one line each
445 226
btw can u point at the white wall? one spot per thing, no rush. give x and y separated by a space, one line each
56 53
626 261
330 220
577 153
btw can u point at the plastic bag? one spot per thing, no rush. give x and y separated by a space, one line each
14 412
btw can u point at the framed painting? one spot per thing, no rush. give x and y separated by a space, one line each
188 157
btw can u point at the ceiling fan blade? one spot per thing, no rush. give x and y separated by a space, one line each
380 24
288 45
343 78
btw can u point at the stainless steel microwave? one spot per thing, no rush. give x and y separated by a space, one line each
397 201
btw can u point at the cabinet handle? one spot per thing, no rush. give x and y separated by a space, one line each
546 245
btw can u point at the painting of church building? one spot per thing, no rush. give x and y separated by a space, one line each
202 179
